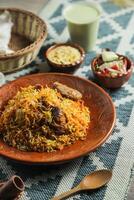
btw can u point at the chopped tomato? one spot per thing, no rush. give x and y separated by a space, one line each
115 67
105 72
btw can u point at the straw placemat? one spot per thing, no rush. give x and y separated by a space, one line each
116 32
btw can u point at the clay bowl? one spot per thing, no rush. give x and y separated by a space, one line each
102 118
112 82
65 68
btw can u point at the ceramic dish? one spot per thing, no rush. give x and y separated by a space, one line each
113 82
101 125
61 67
14 185
28 34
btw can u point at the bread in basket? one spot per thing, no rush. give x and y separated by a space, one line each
28 35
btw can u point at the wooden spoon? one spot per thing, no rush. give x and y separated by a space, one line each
92 181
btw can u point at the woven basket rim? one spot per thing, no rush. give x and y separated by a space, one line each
34 44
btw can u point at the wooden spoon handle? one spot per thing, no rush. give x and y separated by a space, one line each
67 194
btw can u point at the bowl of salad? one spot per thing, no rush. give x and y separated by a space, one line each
112 70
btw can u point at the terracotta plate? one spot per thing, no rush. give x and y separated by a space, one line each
101 125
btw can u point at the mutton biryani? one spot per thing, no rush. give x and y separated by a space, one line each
44 119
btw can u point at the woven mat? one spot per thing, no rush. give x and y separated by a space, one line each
117 33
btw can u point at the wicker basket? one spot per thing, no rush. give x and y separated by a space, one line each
28 34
